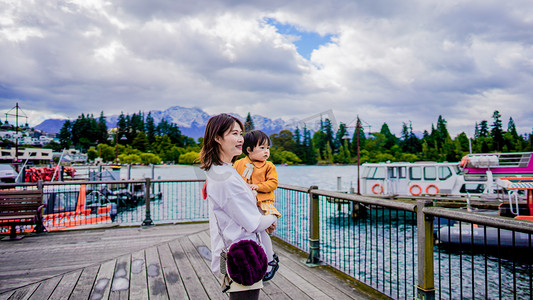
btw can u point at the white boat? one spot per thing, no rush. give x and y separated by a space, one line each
475 174
7 173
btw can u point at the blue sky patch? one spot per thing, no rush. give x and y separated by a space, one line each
306 41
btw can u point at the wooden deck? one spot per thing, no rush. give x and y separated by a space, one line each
159 262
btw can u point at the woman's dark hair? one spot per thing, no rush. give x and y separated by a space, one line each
216 127
254 138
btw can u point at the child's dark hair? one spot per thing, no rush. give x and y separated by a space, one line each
254 138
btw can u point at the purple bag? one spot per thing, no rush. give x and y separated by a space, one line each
246 262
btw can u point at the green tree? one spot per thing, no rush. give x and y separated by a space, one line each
140 142
285 157
106 152
150 158
189 158
283 140
319 142
65 135
92 154
390 138
341 136
101 129
130 159
328 130
248 124
496 131
483 129
150 128
362 138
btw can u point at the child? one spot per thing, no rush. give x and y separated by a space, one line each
262 178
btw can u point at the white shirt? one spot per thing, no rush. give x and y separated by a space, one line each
235 208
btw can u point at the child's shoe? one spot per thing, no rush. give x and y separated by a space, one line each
275 266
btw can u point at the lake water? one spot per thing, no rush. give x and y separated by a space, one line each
379 249
325 177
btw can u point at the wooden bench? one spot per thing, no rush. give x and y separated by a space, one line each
21 207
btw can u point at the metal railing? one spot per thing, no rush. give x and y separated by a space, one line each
393 246
397 247
122 202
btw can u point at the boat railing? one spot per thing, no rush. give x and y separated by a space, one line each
516 159
409 249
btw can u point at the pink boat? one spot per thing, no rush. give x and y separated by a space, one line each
496 165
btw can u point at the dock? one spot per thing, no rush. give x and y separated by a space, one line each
156 262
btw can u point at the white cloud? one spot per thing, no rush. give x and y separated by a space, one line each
387 62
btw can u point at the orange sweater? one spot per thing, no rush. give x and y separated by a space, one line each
264 174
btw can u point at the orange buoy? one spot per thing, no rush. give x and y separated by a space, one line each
380 189
432 186
415 186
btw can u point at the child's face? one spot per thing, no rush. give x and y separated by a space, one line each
260 153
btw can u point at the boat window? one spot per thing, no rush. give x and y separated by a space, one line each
402 172
380 173
369 172
393 172
444 173
430 173
472 188
415 173
60 201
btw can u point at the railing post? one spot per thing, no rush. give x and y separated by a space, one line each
424 223
148 219
314 232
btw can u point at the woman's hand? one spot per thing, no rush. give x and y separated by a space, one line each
254 187
270 229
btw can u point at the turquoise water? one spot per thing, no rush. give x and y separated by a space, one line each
325 177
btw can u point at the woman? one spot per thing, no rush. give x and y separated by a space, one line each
232 206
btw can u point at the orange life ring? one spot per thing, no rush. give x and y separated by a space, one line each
380 189
433 186
419 190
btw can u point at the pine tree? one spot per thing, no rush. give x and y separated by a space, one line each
65 136
101 128
150 128
496 131
483 129
248 124
511 127
340 136
390 138
328 130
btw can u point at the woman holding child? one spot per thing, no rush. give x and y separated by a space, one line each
234 215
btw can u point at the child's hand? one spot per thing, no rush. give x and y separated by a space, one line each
270 229
254 187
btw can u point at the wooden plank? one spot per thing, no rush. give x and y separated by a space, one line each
66 285
316 277
273 291
6 295
173 280
308 288
292 291
156 281
120 288
24 293
45 289
138 284
102 285
192 283
85 283
211 285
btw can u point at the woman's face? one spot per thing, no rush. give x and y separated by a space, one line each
231 143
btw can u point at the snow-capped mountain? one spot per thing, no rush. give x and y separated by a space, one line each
191 121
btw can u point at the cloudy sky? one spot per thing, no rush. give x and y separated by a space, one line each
386 62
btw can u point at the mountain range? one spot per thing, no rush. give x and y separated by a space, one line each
191 121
